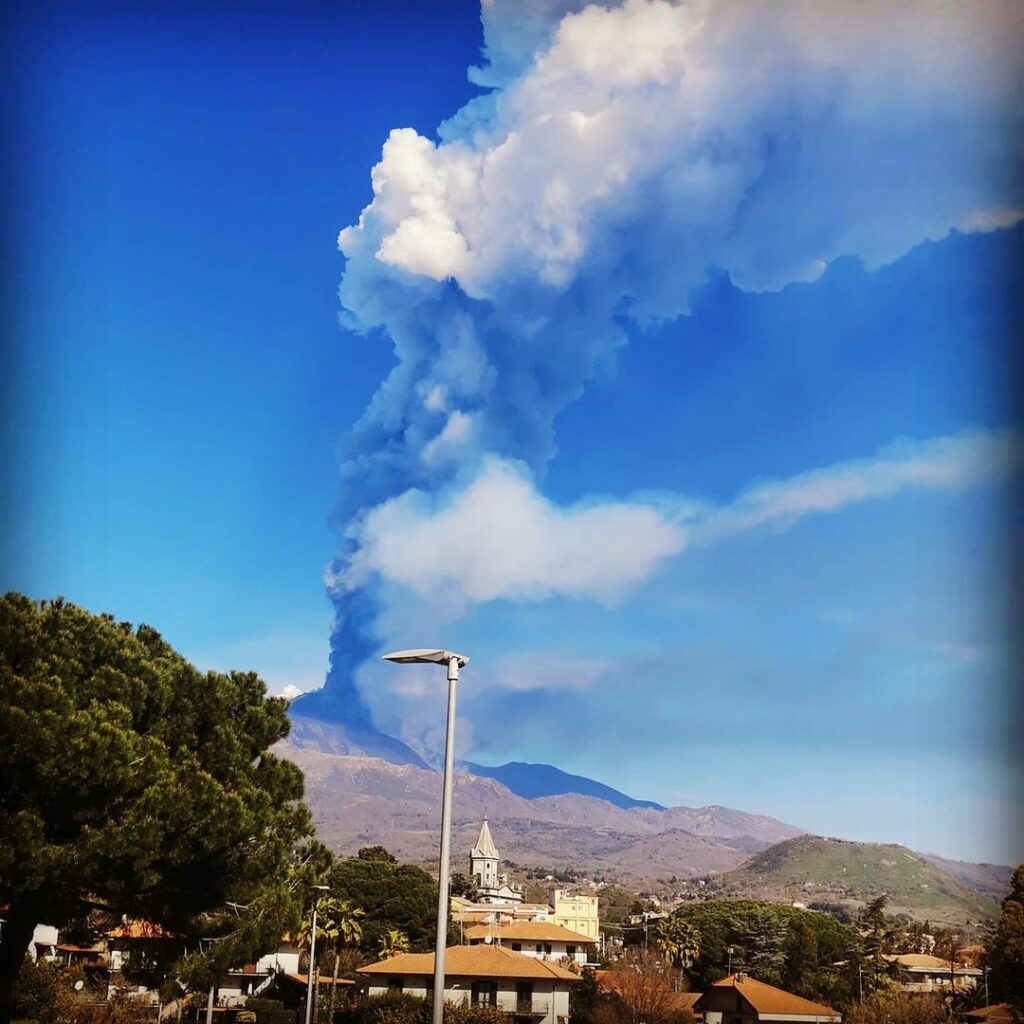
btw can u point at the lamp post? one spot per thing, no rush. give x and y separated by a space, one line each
317 889
454 662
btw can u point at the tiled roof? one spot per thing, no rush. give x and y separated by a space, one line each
767 999
995 1014
473 962
529 931
323 979
685 1000
924 961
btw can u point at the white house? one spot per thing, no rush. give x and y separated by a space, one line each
533 991
538 939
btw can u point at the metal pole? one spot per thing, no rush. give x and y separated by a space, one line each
209 1007
437 1016
312 963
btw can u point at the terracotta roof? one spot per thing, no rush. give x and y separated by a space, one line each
997 1012
925 962
324 979
685 1000
473 962
769 1000
530 931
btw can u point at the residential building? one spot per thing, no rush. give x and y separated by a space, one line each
576 911
484 863
922 972
533 991
739 999
538 939
465 912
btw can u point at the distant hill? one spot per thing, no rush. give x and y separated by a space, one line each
361 801
534 780
992 880
811 868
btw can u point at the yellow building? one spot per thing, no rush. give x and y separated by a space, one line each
577 912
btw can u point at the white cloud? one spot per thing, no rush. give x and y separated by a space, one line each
641 142
943 462
500 538
290 692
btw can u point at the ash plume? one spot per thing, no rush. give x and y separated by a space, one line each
621 151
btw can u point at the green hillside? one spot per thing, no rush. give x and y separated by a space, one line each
811 869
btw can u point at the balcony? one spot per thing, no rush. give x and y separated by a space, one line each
524 1007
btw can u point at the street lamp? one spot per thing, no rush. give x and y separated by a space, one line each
317 889
421 656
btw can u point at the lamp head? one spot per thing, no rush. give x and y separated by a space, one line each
425 656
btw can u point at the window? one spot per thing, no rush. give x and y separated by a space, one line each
394 984
570 950
517 947
524 996
484 993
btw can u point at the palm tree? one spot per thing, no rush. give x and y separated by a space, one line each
678 941
393 942
337 925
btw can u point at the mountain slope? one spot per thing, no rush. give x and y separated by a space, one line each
534 780
992 880
812 868
338 737
360 801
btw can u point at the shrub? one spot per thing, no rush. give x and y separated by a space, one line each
270 1011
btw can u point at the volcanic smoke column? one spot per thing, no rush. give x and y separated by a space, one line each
622 151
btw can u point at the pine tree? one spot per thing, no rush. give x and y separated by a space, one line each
135 784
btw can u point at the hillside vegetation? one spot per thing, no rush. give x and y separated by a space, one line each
813 869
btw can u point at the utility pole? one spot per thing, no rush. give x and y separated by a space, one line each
310 995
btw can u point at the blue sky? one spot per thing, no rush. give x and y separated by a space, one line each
731 507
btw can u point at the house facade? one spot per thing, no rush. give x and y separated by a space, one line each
533 991
739 999
576 912
922 972
540 940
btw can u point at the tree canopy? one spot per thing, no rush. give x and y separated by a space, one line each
1004 950
135 784
785 946
399 897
